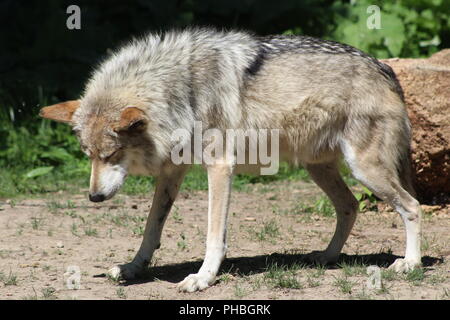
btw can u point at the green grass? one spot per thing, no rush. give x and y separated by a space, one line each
314 276
389 275
176 215
436 279
239 292
138 230
318 271
74 229
353 268
182 244
55 206
8 280
321 206
36 223
282 276
363 295
121 293
312 283
91 232
268 232
225 277
48 293
416 276
344 284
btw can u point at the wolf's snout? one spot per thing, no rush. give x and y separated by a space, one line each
106 180
96 197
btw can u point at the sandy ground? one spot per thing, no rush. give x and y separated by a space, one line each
41 238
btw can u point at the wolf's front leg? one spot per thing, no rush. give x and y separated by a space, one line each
219 188
167 186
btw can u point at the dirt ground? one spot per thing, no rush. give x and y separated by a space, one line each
268 239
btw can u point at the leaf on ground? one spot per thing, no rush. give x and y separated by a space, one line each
37 172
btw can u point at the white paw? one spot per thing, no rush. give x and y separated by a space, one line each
404 266
194 282
124 272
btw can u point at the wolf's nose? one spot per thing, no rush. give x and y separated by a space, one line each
96 197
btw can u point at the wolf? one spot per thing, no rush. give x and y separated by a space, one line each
329 101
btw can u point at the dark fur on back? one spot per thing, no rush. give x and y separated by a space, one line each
274 45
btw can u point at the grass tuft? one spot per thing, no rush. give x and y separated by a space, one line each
282 276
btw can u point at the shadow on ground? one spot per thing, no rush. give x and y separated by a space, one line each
243 266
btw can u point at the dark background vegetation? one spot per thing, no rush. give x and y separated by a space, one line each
42 62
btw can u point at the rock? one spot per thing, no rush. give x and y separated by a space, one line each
426 85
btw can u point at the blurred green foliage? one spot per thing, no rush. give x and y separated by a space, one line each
409 28
42 62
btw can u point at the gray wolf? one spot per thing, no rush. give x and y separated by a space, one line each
329 100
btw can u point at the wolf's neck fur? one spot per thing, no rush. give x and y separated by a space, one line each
176 73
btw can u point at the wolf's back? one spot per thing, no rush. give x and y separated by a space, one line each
224 78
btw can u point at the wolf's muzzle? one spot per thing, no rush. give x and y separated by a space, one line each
96 197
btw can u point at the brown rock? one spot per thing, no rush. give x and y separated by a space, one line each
426 84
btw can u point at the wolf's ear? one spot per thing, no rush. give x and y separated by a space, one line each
131 119
61 112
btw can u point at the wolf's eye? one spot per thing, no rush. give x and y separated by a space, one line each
137 126
111 156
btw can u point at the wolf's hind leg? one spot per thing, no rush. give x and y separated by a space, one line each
327 177
373 166
167 186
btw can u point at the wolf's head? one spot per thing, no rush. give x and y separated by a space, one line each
117 143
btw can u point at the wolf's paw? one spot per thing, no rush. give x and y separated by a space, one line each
404 266
124 271
321 258
194 282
